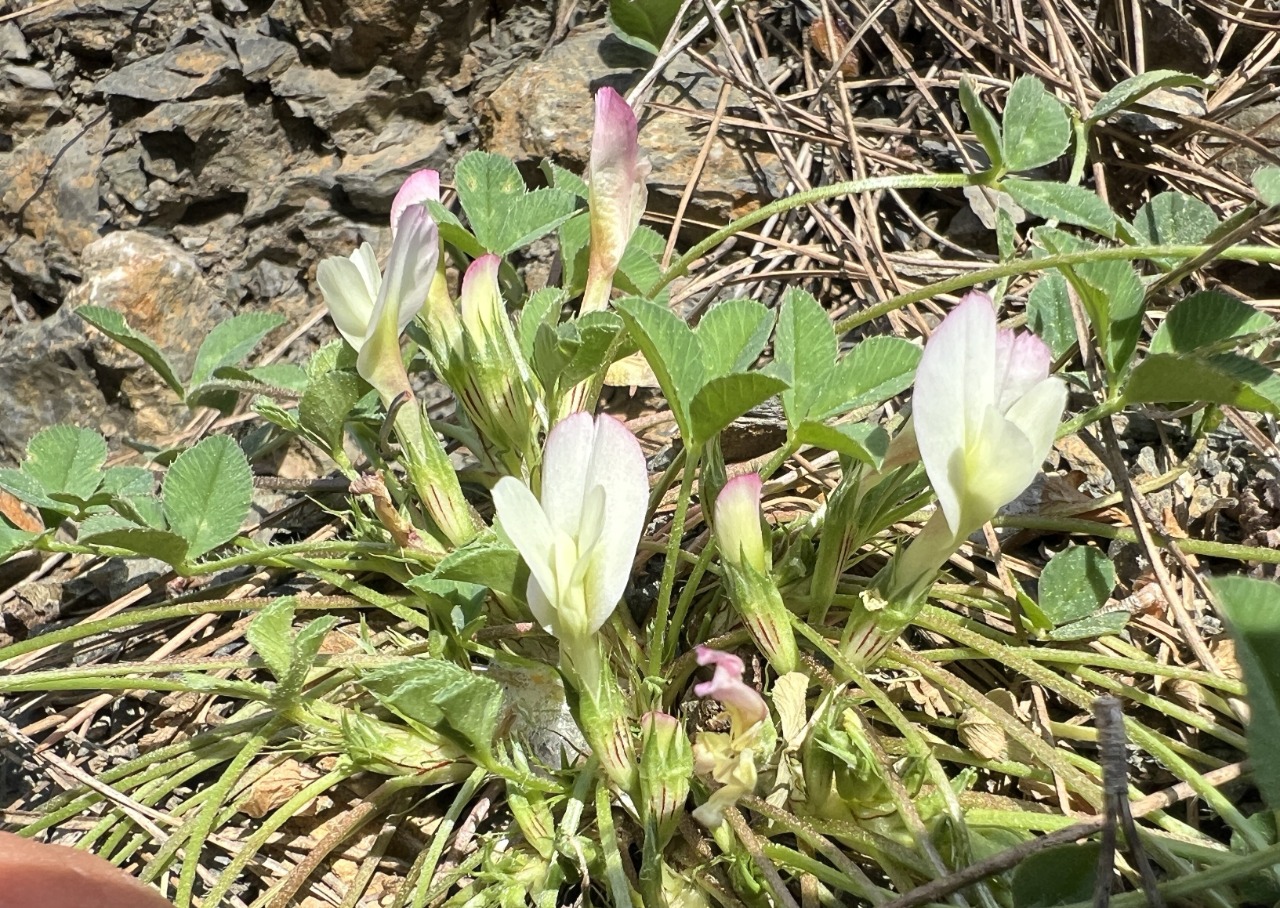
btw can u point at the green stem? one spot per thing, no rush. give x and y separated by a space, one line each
778 459
249 848
1229 550
939 622
256 553
817 194
686 596
204 821
141 617
433 476
1080 153
1090 416
1267 254
423 871
1077 659
661 618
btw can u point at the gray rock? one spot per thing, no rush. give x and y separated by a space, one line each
28 99
371 180
411 37
263 58
351 110
29 77
190 71
125 179
13 46
59 370
117 30
48 376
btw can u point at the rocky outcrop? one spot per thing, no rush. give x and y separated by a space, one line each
182 160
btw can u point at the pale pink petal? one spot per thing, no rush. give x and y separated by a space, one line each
481 302
737 522
1022 360
954 388
744 703
412 264
422 186
616 180
615 139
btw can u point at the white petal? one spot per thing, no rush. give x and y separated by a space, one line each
1022 360
565 462
366 261
1038 413
543 611
954 388
347 296
525 524
410 269
617 466
993 471
591 526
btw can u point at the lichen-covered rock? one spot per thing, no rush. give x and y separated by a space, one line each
49 184
157 287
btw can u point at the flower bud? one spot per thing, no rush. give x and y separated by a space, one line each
616 182
737 518
666 763
489 374
393 750
746 568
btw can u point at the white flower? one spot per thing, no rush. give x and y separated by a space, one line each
985 411
580 540
371 309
